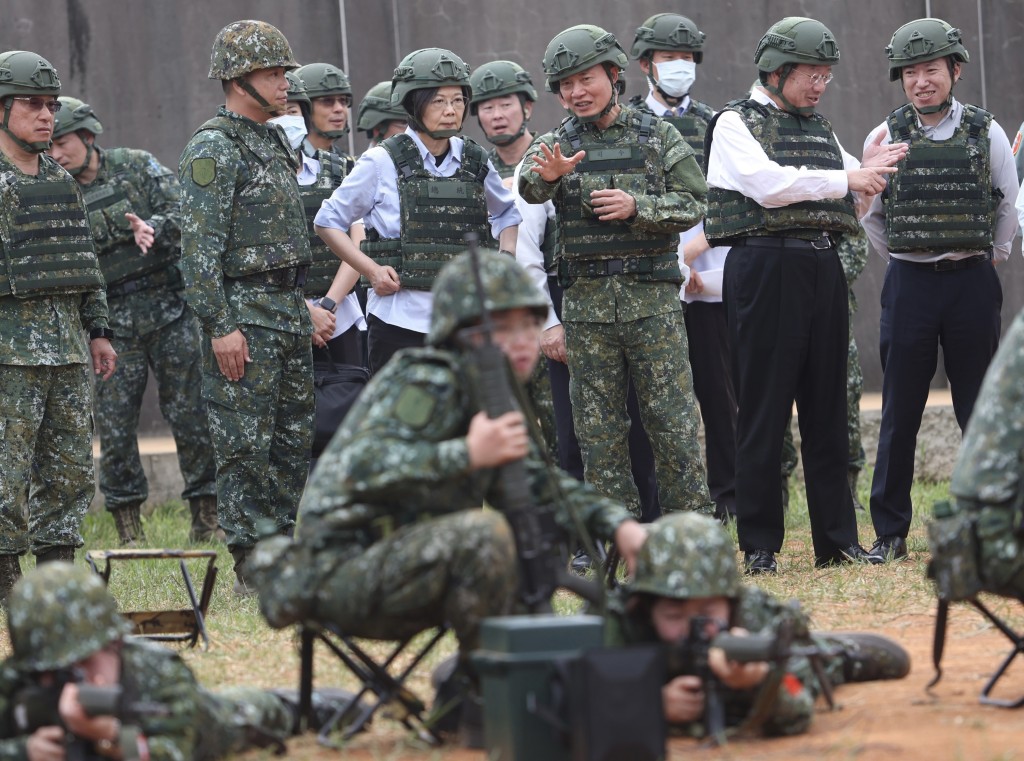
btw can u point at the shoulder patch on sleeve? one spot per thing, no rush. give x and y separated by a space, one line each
204 171
414 406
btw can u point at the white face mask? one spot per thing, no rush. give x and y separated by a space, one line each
294 128
676 77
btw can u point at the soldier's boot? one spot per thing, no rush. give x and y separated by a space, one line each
327 703
10 572
869 657
457 711
243 587
851 476
63 553
128 519
204 520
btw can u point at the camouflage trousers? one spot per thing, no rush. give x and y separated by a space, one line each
538 390
262 431
173 352
230 716
653 351
46 470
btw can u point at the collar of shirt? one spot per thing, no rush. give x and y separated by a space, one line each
310 170
454 152
947 126
660 108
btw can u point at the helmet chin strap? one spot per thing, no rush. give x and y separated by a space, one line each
330 134
777 91
251 91
671 100
37 147
437 134
89 150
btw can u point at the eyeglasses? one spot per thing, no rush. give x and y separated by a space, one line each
35 103
333 100
816 79
443 104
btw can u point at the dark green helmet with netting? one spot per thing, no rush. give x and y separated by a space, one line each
796 40
577 49
668 31
323 79
497 78
376 108
925 39
687 555
246 46
59 614
427 68
296 89
25 73
457 303
73 116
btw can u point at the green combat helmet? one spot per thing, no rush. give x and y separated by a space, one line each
25 73
297 92
668 31
577 49
375 108
925 39
74 115
424 69
243 47
496 79
321 80
59 614
457 303
794 40
687 555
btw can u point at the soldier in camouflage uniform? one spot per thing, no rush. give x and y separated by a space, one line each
947 214
687 568
132 201
392 538
377 117
620 210
51 290
782 194
245 254
62 618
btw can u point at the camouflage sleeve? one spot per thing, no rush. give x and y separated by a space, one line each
208 173
532 187
93 310
164 196
598 513
853 255
160 678
12 746
683 204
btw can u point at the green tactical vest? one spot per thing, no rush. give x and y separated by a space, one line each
693 125
941 199
333 169
47 249
504 170
107 202
631 163
436 213
268 224
789 140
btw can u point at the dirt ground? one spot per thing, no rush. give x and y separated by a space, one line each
892 720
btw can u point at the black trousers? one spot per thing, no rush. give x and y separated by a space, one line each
921 309
346 349
788 321
384 339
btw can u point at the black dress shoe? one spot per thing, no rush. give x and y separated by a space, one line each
887 548
580 563
852 554
759 562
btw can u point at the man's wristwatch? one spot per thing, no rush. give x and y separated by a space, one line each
328 303
100 333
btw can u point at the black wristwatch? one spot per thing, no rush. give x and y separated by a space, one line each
101 333
328 303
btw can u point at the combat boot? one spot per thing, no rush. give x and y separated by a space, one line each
243 587
128 520
204 519
10 572
869 657
63 553
327 703
851 476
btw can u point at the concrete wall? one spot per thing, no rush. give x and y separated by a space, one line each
142 64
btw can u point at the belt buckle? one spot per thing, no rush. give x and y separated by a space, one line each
826 239
613 267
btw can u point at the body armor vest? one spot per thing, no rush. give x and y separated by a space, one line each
268 225
436 213
941 198
107 203
633 164
693 125
789 140
333 169
48 249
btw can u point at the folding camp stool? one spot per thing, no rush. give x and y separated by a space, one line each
384 679
178 625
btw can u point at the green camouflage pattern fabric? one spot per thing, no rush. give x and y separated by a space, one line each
333 169
392 538
504 170
692 125
687 555
245 46
542 402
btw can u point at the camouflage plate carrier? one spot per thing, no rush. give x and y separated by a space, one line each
333 169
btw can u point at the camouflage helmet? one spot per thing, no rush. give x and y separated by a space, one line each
59 614
497 78
73 116
324 79
246 46
687 555
668 31
457 303
577 49
925 39
375 108
427 68
796 40
25 73
296 89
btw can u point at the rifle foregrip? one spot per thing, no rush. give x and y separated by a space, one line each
747 648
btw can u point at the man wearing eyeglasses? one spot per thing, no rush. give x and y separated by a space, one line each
781 193
51 296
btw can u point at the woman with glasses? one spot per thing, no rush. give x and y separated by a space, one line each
418 194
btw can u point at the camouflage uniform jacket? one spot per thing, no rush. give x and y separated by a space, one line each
504 170
401 455
755 611
206 223
45 330
624 298
158 202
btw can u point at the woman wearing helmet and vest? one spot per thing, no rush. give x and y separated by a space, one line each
418 193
